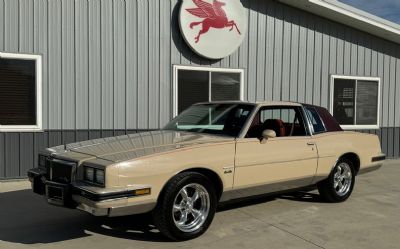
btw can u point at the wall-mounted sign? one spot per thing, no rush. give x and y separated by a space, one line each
213 28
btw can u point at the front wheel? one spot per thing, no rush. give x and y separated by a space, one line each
187 206
339 185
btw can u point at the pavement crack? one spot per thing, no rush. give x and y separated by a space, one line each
283 230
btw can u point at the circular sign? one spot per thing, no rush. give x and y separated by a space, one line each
213 28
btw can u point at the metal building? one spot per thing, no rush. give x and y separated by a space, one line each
72 70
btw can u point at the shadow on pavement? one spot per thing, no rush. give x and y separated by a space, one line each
301 196
26 218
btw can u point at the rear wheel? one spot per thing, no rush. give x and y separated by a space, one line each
187 206
339 185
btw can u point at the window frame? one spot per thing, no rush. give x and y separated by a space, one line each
258 110
356 78
39 115
210 70
310 123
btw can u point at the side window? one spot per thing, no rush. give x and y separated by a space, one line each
315 120
285 121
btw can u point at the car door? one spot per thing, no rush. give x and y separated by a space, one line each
284 162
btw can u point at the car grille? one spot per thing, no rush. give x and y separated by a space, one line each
60 171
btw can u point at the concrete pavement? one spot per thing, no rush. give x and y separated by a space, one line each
369 219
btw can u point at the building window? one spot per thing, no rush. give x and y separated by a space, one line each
355 101
20 92
203 84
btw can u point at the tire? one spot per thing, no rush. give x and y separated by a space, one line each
182 218
340 183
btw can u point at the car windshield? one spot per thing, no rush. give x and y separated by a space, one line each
218 119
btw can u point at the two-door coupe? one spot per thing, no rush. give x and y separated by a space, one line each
212 152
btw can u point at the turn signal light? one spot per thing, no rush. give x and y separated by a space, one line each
145 191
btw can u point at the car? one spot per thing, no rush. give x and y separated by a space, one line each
210 153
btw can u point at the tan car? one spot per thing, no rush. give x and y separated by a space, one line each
210 153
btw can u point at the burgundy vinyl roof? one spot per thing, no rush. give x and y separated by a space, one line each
331 125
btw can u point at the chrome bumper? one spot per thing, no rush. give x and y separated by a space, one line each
110 202
117 211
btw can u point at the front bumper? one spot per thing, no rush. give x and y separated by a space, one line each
94 200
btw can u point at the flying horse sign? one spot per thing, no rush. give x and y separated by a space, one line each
213 28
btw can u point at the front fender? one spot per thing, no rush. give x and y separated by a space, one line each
158 169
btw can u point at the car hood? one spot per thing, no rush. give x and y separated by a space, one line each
128 147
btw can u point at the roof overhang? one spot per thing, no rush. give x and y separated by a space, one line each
350 16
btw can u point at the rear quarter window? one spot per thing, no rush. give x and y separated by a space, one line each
316 122
331 124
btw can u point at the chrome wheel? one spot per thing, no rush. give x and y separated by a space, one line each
191 207
342 179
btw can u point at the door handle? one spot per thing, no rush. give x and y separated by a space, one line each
310 143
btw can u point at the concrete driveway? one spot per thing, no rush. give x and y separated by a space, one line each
369 219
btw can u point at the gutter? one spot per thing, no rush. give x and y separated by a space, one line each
350 16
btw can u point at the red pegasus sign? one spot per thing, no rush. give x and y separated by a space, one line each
214 17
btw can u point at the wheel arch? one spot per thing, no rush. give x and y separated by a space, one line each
354 158
210 174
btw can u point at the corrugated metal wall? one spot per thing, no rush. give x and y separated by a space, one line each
107 65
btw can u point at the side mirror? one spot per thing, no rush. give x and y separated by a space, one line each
267 134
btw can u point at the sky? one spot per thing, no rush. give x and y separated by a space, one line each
388 9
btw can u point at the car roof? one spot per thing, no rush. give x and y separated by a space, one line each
278 103
258 103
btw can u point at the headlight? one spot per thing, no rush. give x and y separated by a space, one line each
89 174
94 175
99 176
